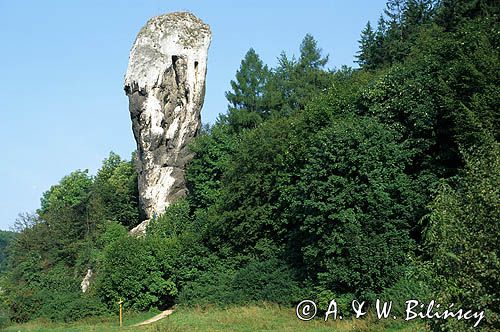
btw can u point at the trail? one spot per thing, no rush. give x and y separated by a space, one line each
155 318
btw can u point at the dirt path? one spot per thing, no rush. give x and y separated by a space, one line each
155 318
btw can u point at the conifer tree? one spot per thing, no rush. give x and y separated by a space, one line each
248 87
417 12
367 45
310 54
296 81
451 13
394 11
246 105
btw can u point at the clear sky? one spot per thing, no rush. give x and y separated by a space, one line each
62 65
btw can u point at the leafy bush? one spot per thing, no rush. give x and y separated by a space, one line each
6 238
173 222
131 272
70 306
41 293
269 281
416 283
257 281
462 238
337 202
83 307
212 287
115 194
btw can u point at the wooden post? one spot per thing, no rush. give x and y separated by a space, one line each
121 312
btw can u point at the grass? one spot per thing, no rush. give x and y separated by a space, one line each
97 324
265 317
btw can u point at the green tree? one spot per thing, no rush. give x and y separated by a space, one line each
453 13
64 210
72 192
248 88
43 255
417 13
462 239
310 55
115 192
130 271
246 106
394 11
174 222
352 198
41 281
367 48
6 239
204 173
302 194
294 82
396 32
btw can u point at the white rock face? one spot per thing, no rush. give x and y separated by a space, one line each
86 281
165 83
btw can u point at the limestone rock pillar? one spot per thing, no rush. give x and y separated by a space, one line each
165 84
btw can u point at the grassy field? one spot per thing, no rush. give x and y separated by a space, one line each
104 324
237 319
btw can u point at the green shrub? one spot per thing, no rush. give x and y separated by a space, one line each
322 297
417 283
173 222
269 281
212 287
70 306
131 272
82 307
462 238
257 281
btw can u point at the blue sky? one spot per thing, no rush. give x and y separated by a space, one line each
62 65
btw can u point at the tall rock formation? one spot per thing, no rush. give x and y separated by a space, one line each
165 84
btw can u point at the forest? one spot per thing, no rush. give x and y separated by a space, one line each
381 181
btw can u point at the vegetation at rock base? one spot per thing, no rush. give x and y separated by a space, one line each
379 181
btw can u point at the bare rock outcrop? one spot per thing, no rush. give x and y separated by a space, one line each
86 281
165 84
